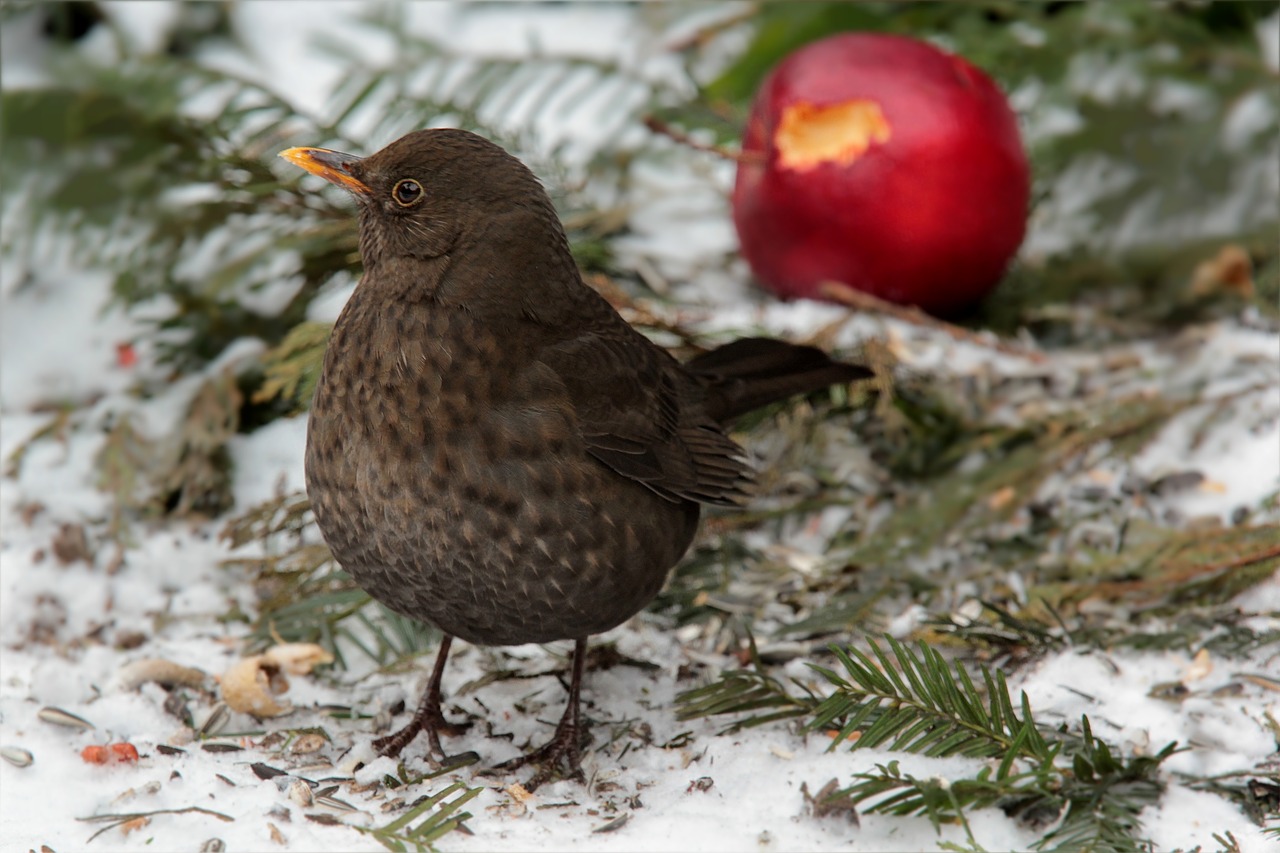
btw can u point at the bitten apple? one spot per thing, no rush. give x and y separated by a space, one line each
885 164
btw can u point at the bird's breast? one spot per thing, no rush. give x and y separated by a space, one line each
448 476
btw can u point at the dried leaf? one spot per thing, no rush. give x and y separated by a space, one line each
297 658
249 687
161 671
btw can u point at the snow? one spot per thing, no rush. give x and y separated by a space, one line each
65 629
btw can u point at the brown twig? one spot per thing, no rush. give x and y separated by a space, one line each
860 301
118 819
702 35
1240 563
661 128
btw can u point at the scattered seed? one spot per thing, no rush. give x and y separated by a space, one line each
16 756
272 740
335 803
323 819
308 743
165 749
1170 691
216 720
300 793
222 747
265 771
453 762
213 845
702 783
613 825
318 768
59 717
1172 484
225 780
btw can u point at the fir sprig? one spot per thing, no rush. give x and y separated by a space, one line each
918 704
912 701
435 816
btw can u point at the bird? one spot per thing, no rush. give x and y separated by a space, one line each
491 448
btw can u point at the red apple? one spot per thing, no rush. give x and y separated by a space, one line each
885 164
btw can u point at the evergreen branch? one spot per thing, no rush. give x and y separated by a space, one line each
918 704
912 700
739 692
439 819
1096 796
292 368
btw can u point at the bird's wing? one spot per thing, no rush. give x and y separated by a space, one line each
640 415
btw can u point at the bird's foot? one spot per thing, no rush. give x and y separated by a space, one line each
558 758
430 719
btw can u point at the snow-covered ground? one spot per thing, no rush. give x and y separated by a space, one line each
72 618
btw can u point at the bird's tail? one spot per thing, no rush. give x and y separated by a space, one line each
754 372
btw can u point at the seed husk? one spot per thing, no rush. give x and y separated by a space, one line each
17 756
59 717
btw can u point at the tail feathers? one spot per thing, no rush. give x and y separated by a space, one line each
754 372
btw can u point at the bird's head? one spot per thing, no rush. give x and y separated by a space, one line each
424 193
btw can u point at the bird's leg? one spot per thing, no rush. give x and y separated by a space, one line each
428 717
566 744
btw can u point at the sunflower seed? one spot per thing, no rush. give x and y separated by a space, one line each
265 771
216 720
300 793
222 747
614 825
335 803
308 743
59 717
16 756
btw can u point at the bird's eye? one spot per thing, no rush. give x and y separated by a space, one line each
407 193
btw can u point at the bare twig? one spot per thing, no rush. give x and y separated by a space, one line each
860 301
661 128
699 37
1241 562
125 817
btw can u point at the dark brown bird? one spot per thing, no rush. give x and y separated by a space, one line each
492 449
